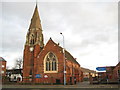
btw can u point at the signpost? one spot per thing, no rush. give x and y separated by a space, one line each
101 68
38 76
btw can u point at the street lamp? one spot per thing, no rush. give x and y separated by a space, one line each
64 59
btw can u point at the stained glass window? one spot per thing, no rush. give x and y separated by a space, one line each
51 62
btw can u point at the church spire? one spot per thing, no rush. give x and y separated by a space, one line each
35 21
34 35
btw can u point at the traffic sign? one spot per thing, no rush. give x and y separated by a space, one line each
38 76
101 68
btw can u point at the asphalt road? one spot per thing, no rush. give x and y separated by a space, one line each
79 86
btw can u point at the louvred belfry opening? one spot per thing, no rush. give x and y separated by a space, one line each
34 35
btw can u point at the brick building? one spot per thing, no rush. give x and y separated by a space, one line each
87 73
3 66
45 63
111 75
3 69
116 72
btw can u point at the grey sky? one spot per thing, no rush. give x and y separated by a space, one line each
90 29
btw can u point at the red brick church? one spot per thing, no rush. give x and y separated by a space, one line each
45 63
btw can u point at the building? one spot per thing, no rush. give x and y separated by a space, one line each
3 69
116 72
87 73
3 66
107 75
111 75
102 75
14 75
45 63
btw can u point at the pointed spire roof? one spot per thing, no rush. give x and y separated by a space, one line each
35 21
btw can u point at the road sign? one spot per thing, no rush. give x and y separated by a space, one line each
45 76
38 76
101 68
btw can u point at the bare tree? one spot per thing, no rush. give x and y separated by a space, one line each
19 63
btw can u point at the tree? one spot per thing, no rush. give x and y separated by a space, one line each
19 63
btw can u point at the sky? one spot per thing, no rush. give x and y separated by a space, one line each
90 29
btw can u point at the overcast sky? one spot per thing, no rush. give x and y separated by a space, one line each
90 29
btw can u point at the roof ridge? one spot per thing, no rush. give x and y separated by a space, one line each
71 59
2 59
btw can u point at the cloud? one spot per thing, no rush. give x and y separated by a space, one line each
90 29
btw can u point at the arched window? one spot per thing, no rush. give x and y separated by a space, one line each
50 63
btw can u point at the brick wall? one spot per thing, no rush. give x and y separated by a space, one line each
3 67
73 70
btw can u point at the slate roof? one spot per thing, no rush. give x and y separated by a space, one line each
2 59
70 57
35 21
87 70
67 54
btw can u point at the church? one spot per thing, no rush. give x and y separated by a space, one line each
47 63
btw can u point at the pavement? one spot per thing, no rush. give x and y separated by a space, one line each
81 85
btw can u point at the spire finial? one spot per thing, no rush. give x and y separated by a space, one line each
36 2
35 21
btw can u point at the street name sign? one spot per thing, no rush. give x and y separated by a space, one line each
101 68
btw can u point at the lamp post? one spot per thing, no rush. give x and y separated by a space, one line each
64 60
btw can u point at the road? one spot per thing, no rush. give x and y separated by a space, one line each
79 86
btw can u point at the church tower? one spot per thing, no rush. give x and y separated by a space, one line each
33 46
